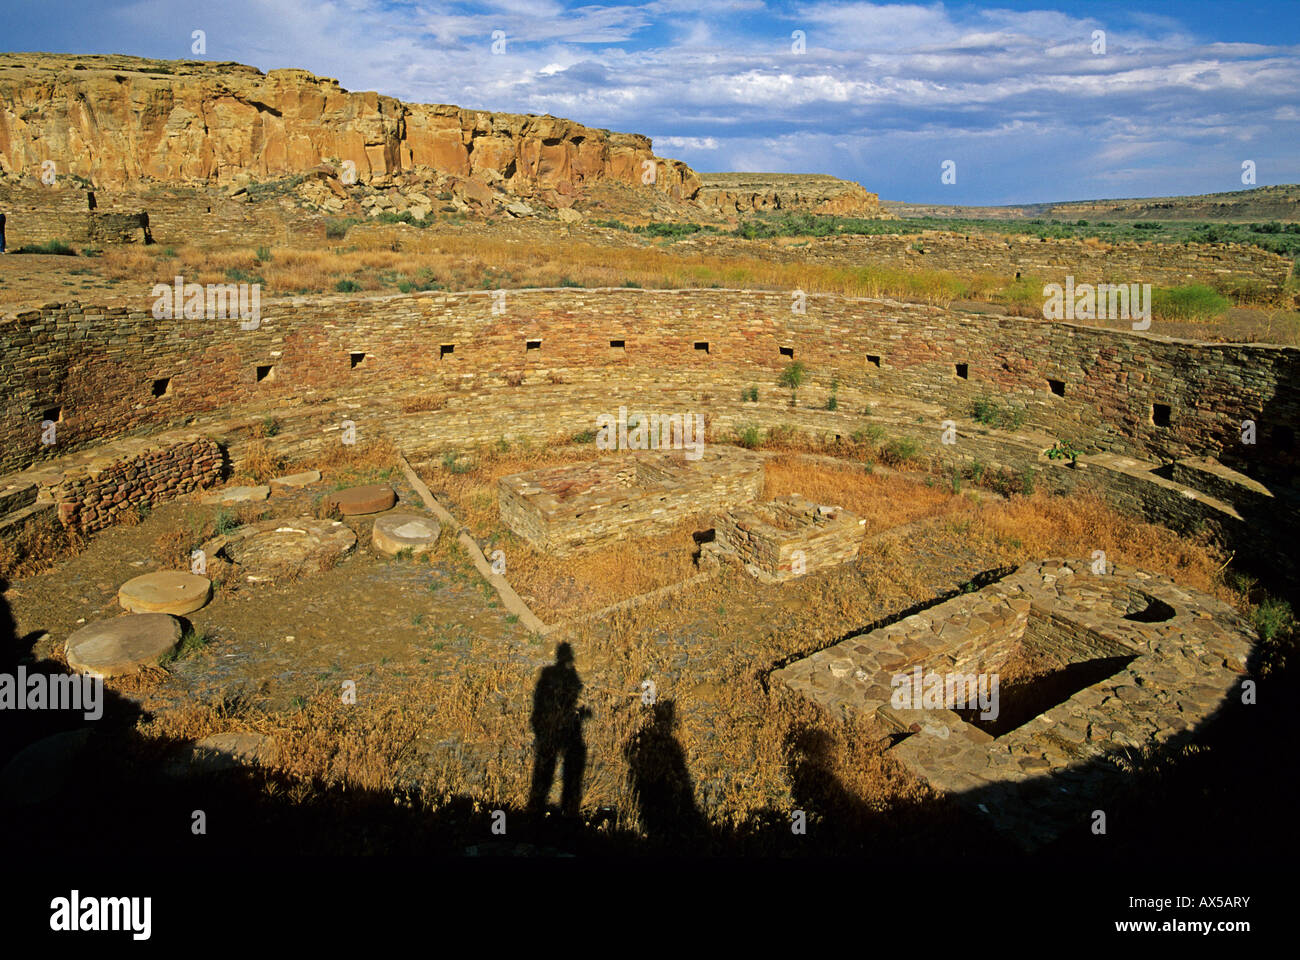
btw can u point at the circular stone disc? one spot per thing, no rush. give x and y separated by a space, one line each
165 591
359 500
405 531
123 645
273 548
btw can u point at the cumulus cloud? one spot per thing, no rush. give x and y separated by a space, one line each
881 93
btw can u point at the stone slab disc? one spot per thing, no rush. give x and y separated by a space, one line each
225 751
238 495
165 591
304 479
405 531
359 500
123 645
44 771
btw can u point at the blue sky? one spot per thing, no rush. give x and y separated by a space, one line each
882 93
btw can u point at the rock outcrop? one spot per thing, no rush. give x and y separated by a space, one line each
733 194
116 120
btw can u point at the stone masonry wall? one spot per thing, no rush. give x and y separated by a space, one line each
110 371
772 547
95 497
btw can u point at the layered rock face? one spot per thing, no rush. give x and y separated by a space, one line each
116 120
744 193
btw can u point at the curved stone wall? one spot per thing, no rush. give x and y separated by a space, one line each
102 373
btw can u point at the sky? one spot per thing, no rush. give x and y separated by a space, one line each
1019 96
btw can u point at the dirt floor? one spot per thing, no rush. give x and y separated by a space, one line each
449 686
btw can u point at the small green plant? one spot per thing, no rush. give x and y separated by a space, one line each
263 254
1028 477
977 471
900 450
584 436
872 434
1271 618
49 247
226 521
453 463
190 643
1063 450
833 401
749 395
347 286
793 377
749 436
270 425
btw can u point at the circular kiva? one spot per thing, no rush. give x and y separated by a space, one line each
272 548
405 531
165 591
360 500
124 645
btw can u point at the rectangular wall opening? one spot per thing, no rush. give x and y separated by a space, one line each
963 371
787 352
355 359
873 360
702 345
616 344
162 386
265 373
1160 414
54 415
532 344
446 350
1056 386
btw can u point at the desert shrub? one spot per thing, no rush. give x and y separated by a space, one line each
49 247
1193 302
899 450
749 436
424 403
994 414
584 436
258 462
347 286
336 228
793 376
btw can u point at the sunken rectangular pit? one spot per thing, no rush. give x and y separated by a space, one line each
579 507
790 536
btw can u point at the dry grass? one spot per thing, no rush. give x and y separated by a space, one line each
761 753
39 545
884 500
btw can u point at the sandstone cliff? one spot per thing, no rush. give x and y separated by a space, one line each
117 120
733 194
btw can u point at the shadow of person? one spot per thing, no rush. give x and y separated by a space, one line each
660 781
557 731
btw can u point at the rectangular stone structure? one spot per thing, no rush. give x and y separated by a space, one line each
790 536
581 507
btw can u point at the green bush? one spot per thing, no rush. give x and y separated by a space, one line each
749 436
1271 618
336 228
347 286
49 247
584 436
900 450
793 376
1193 302
872 433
